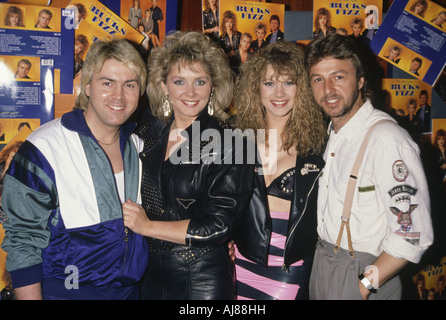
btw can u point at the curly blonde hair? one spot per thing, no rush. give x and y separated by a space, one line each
184 49
305 130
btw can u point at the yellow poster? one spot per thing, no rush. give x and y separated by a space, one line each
105 21
360 17
250 13
402 91
31 2
430 282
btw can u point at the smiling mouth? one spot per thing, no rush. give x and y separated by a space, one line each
116 108
279 104
331 100
190 103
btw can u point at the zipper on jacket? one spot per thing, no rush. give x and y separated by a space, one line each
284 266
126 234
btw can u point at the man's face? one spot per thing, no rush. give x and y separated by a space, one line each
44 20
23 70
423 99
274 25
415 65
245 42
336 89
113 95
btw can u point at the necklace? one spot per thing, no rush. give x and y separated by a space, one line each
108 144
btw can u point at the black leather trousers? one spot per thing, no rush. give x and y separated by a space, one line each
177 272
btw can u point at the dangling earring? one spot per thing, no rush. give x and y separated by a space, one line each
211 104
167 105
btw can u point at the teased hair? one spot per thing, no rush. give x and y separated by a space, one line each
305 130
184 49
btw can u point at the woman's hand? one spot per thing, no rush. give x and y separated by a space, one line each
135 217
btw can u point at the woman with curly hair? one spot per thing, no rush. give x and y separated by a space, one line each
277 236
229 37
322 24
193 192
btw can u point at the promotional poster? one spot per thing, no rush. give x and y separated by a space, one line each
430 282
404 99
357 18
250 13
412 38
150 14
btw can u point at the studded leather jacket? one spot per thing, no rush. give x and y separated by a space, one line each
254 233
213 196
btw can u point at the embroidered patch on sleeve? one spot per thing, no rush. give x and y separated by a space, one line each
402 209
400 171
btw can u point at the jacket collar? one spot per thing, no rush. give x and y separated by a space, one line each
75 121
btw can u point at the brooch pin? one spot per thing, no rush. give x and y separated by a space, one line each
309 167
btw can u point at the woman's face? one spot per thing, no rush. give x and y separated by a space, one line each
441 141
260 33
229 23
393 54
411 109
277 94
14 19
356 29
323 20
78 48
189 89
418 8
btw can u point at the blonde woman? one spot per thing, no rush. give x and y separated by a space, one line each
191 203
277 236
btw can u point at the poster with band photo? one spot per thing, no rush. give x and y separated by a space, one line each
359 19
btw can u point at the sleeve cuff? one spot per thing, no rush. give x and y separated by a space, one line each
399 248
26 276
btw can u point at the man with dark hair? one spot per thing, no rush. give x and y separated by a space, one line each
386 211
424 112
415 65
276 34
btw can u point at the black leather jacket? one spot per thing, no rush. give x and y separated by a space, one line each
254 233
213 196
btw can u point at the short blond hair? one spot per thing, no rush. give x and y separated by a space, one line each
119 49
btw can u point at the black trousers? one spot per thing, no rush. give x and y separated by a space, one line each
187 273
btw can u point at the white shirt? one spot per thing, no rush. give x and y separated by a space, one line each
391 209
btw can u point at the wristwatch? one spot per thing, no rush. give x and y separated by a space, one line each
366 283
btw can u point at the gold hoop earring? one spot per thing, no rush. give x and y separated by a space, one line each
167 105
211 104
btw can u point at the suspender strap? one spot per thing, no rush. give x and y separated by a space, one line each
350 192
